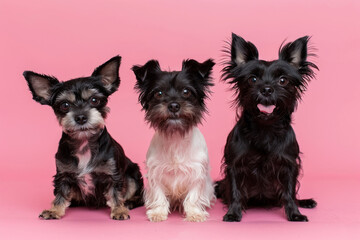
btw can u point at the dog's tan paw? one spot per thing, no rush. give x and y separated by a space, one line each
48 214
196 217
156 216
120 214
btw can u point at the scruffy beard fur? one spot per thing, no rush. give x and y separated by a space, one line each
177 159
169 123
94 125
91 167
261 158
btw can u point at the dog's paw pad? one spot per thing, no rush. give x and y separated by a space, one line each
47 214
120 216
298 218
229 217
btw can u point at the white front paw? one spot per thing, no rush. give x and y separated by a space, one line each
196 215
157 214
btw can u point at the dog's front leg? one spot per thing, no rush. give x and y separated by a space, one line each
116 202
234 212
59 205
156 203
196 201
288 197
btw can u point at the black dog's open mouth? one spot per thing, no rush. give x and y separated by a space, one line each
267 110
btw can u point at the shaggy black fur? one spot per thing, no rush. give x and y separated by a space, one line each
261 157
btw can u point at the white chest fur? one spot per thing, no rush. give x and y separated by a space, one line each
84 156
84 169
178 162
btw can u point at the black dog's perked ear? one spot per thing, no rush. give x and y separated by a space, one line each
109 73
40 86
142 73
295 52
242 51
204 69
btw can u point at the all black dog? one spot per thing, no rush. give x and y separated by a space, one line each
261 157
91 167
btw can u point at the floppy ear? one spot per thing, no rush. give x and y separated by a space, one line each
142 73
295 52
40 86
204 69
109 73
242 51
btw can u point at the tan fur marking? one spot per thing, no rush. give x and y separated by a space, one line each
118 209
55 212
66 96
87 93
120 213
131 189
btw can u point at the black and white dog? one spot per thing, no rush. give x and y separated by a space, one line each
177 159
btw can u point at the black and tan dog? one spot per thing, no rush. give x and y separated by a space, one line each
91 167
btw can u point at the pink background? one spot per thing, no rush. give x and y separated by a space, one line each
69 39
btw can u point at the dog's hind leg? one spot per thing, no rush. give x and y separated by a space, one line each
134 193
219 188
306 203
135 187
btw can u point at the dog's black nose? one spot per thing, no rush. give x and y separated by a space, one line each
174 107
267 91
81 119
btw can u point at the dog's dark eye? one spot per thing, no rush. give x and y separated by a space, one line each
283 81
94 101
252 80
186 93
65 106
158 95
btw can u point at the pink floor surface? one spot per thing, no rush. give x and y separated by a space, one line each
68 39
337 216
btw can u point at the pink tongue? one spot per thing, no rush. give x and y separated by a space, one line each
266 109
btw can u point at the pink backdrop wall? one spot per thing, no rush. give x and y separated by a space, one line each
69 39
